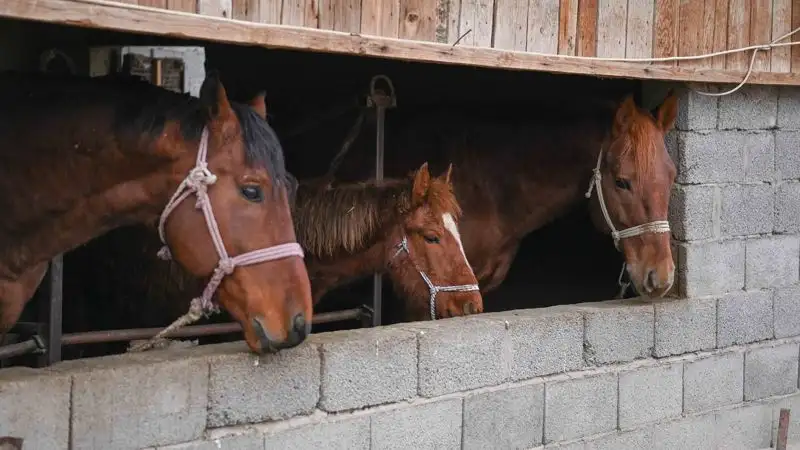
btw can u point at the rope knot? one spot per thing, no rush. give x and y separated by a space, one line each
200 177
226 266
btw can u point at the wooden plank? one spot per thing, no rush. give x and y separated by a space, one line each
795 52
418 20
154 3
380 17
567 27
611 18
738 34
99 14
347 15
301 13
587 28
453 20
690 37
543 26
182 5
780 57
511 24
665 31
477 17
761 31
215 8
639 34
245 10
720 41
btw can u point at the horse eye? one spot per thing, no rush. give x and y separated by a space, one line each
252 193
431 239
622 183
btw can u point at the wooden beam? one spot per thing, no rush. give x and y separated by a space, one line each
131 18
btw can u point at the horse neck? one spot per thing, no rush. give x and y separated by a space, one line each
328 273
87 184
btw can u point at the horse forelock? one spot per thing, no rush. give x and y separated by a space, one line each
640 145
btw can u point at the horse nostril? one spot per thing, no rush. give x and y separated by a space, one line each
651 282
301 326
261 332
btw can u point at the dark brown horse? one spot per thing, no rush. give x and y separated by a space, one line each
81 157
406 227
518 172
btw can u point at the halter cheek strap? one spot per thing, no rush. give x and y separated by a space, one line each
432 288
656 226
197 182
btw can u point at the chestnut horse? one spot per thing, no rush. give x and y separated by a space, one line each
108 152
406 227
518 172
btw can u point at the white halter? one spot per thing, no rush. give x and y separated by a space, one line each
197 182
403 246
656 226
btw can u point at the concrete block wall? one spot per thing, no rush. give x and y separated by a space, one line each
552 378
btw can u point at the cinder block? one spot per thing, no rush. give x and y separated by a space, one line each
639 439
164 393
348 433
685 325
617 331
749 108
787 311
543 341
695 433
789 107
35 406
246 441
713 382
787 155
772 261
710 268
580 407
245 388
461 353
745 428
506 418
692 211
792 402
744 317
787 216
696 112
770 371
725 156
367 367
650 394
435 426
747 209
577 445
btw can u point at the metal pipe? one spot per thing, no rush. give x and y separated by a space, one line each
95 337
18 349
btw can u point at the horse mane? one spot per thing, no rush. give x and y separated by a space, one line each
348 218
141 107
639 143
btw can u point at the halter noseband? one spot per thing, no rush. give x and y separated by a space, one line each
656 226
432 288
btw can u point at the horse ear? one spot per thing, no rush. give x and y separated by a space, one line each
214 97
422 182
626 111
259 104
668 112
449 172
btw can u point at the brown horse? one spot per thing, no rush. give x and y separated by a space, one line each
406 227
110 152
519 172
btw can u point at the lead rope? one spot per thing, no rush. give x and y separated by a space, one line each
197 182
656 226
433 289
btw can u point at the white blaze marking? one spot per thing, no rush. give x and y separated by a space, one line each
450 225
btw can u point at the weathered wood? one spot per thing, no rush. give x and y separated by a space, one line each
587 28
639 34
153 3
611 18
215 8
114 16
453 20
511 25
665 31
245 10
543 26
761 30
380 17
738 34
347 16
477 17
780 57
783 429
720 42
691 26
567 27
182 5
418 20
301 13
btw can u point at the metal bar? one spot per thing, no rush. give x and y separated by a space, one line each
96 337
18 349
10 443
783 429
50 312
